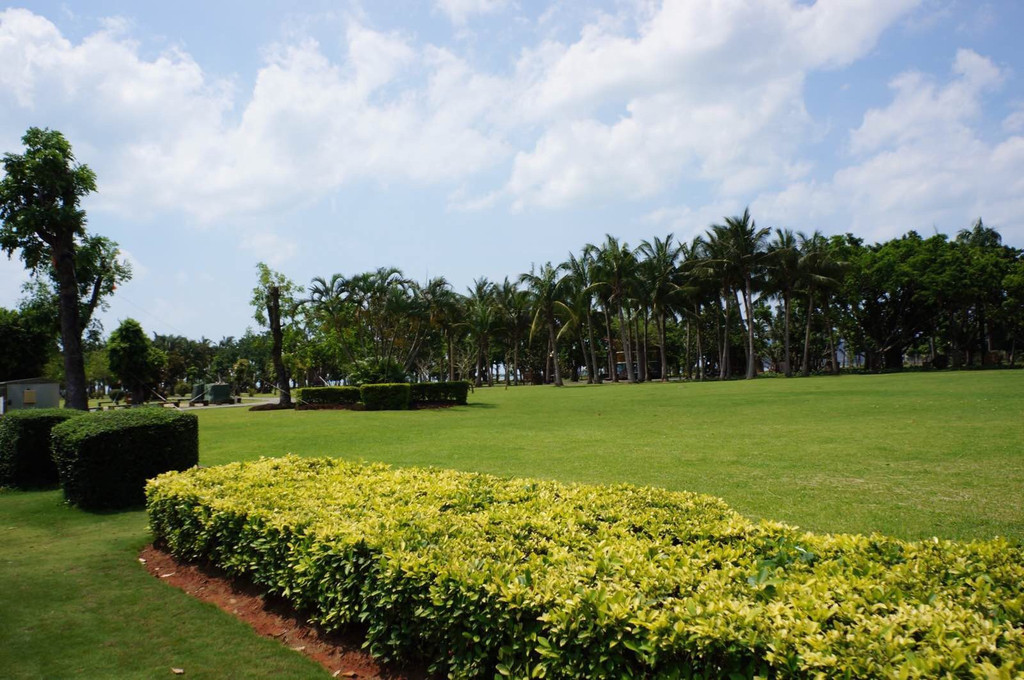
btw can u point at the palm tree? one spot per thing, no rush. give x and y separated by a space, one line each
547 289
744 248
514 322
581 278
819 272
445 314
480 318
661 275
614 275
784 276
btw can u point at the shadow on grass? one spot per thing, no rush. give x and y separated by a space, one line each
484 405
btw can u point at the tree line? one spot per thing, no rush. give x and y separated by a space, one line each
736 301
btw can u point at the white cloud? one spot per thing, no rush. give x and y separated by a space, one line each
1015 121
459 11
172 138
922 111
268 247
922 164
707 91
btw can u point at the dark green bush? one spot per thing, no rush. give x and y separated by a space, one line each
104 459
329 396
385 397
440 392
25 459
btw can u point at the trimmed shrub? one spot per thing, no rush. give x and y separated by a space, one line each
385 397
486 577
455 392
328 396
25 459
104 459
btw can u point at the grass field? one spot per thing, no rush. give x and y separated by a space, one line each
914 456
911 455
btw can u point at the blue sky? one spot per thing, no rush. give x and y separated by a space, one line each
470 138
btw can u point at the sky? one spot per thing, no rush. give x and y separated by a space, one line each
469 138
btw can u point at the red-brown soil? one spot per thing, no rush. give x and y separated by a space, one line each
340 653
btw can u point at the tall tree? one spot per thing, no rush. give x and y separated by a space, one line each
580 271
273 295
784 275
744 247
659 271
614 276
40 198
547 288
134 359
480 319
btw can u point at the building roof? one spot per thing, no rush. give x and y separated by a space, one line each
30 381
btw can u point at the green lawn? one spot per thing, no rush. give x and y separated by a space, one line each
914 456
911 455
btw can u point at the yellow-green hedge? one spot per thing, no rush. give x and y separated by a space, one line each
487 577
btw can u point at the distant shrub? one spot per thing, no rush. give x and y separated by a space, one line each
182 389
25 459
104 459
385 396
376 372
454 392
328 396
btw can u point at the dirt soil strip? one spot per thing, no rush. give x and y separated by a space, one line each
340 653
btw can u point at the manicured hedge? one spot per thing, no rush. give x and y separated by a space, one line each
487 577
104 459
440 392
25 459
385 396
329 396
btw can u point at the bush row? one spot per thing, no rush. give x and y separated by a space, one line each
102 460
455 392
387 396
25 459
329 396
487 577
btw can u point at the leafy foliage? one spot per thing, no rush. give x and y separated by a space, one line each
455 392
385 397
487 577
25 459
104 459
133 359
327 396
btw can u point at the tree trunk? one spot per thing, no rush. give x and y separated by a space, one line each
701 366
593 351
788 365
630 376
748 307
641 349
689 364
451 358
277 346
661 340
724 367
515 360
612 373
554 351
805 369
586 362
70 329
831 339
